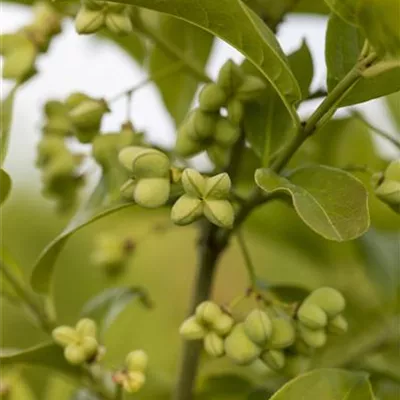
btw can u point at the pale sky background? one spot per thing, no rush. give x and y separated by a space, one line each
94 66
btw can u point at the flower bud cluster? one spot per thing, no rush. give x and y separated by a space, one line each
205 128
387 185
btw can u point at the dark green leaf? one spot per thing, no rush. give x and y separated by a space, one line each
330 201
251 37
343 47
178 89
225 387
393 102
47 355
5 185
311 7
327 384
289 294
6 111
106 306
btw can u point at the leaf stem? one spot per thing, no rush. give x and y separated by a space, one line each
248 261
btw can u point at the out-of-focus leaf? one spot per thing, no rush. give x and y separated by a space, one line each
289 294
330 201
5 185
311 7
47 355
224 387
6 111
132 44
327 384
384 363
106 306
343 47
178 89
251 37
393 102
92 211
7 258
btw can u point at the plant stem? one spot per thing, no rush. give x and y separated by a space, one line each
248 261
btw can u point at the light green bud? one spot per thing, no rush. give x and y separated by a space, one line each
230 77
212 98
201 124
64 335
137 361
191 329
214 345
338 325
314 338
208 312
283 334
58 126
186 210
120 24
217 187
87 115
275 359
193 182
330 300
90 346
312 315
133 381
251 88
235 111
226 134
151 192
86 327
258 326
55 108
89 21
223 325
75 99
389 192
75 354
185 145
219 212
239 348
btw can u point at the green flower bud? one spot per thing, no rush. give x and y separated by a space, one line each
330 300
230 77
312 315
283 334
133 381
145 163
86 327
186 210
338 325
220 156
202 124
75 99
55 108
151 192
389 192
226 134
251 88
127 189
219 212
314 338
115 7
258 326
223 325
235 111
193 182
89 21
137 361
296 365
185 145
275 359
58 126
191 329
120 24
208 312
239 348
104 150
89 346
64 335
218 187
87 115
212 98
75 354
214 345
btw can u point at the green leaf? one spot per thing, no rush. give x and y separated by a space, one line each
6 108
92 211
343 46
225 387
178 89
327 384
132 44
251 37
267 122
5 185
330 201
106 306
393 102
311 7
289 294
47 355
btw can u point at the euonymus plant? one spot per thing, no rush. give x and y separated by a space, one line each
300 182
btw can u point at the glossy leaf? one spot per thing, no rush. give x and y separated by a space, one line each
252 38
44 267
5 185
343 46
5 122
330 201
47 355
327 384
178 89
106 306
